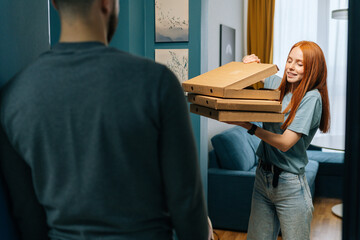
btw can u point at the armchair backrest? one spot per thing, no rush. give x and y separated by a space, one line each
236 149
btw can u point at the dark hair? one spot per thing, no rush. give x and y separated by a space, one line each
74 6
315 74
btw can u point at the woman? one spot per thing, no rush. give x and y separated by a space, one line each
281 196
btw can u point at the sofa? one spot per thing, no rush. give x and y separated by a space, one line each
329 178
231 175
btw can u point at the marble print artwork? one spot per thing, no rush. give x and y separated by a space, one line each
177 60
171 20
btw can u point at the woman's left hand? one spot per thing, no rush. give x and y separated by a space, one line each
250 59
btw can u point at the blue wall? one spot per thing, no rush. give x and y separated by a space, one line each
23 34
54 25
194 46
130 33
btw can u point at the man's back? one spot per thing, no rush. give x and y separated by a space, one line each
109 144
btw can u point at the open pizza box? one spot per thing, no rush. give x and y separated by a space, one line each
231 81
223 94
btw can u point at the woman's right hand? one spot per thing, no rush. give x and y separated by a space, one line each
251 58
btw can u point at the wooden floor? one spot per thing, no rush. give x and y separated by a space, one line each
324 226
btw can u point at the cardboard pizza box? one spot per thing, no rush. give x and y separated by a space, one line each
235 104
236 116
247 93
229 80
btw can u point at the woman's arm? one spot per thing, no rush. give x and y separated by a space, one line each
283 142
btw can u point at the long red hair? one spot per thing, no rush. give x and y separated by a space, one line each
315 74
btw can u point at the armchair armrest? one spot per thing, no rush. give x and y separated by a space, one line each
229 198
230 173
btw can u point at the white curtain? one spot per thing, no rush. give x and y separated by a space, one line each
311 20
337 69
293 22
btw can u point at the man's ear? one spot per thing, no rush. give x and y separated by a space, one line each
106 6
54 4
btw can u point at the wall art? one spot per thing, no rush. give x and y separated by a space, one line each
171 21
177 60
227 44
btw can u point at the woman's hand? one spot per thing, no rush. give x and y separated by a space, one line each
251 58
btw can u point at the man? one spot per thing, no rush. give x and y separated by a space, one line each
99 141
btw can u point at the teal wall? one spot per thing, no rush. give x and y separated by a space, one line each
194 46
54 25
23 34
130 33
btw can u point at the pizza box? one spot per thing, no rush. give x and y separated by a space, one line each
229 81
235 104
236 116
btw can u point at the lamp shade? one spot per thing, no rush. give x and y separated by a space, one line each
340 14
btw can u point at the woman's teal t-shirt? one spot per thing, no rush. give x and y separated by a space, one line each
306 121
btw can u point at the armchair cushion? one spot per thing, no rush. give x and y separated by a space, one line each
236 149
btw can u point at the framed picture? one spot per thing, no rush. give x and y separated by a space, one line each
227 44
171 21
177 60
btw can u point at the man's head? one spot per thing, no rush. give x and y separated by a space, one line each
88 9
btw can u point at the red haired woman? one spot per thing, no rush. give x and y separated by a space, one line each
281 196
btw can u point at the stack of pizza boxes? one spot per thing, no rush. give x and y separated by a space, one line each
225 94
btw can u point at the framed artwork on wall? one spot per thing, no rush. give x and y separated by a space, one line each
171 21
177 60
227 44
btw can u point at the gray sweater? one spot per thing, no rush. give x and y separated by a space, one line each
109 144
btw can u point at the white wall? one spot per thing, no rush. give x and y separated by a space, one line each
229 13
